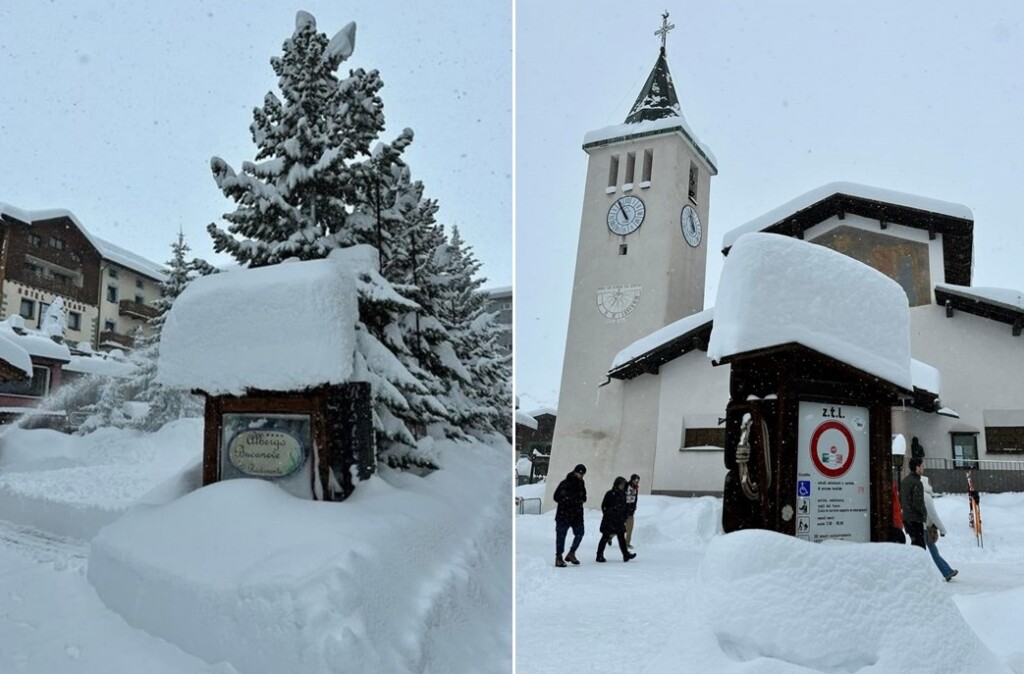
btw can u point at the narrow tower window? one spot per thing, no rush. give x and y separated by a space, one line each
623 248
693 182
648 165
630 168
613 171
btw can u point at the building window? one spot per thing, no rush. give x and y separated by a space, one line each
74 320
28 309
109 326
693 182
1005 439
111 293
965 450
43 306
139 299
138 283
35 240
112 272
704 437
630 167
37 387
613 171
623 248
648 165
57 242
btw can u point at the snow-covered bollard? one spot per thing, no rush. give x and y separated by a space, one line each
819 349
272 350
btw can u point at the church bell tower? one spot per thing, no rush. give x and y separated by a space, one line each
640 265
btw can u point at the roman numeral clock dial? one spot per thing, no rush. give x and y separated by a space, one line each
689 222
626 215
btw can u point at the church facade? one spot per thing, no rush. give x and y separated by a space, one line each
642 396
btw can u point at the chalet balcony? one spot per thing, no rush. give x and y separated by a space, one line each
109 338
136 310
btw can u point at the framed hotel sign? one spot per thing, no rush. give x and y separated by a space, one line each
270 446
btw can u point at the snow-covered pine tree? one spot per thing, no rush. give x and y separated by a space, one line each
164 404
309 192
461 307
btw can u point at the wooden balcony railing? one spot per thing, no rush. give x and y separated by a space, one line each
109 337
136 309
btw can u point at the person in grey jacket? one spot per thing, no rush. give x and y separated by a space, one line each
934 520
915 513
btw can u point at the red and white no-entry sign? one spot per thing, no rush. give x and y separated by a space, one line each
832 449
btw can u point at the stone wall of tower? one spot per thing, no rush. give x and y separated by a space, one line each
597 426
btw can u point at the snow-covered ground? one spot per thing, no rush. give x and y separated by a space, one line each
695 600
112 561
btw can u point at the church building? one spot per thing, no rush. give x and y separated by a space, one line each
643 396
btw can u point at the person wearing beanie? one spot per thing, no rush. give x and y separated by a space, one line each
912 500
935 528
613 522
570 495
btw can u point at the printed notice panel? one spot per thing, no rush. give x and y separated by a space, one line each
832 473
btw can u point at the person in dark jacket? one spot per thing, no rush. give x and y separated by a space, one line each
613 523
570 495
912 499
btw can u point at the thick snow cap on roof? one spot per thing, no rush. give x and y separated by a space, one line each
808 199
662 336
16 356
34 342
617 132
284 327
777 290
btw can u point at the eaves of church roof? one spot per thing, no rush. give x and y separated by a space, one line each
954 221
997 304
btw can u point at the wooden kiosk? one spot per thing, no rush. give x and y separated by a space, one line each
272 351
819 349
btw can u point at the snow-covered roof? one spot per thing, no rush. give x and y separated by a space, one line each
623 132
668 336
129 260
999 304
541 411
776 290
524 419
925 377
284 327
33 342
500 291
808 199
107 250
16 356
98 364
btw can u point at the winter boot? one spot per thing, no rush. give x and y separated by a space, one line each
628 556
559 562
601 559
571 557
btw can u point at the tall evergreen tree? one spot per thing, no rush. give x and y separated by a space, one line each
319 184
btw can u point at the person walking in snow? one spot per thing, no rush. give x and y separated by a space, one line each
632 490
934 524
613 522
912 499
570 495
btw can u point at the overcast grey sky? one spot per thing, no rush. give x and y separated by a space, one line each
112 109
918 97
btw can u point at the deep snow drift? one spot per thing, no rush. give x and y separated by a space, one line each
411 574
696 600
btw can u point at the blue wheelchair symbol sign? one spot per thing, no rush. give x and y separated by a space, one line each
803 488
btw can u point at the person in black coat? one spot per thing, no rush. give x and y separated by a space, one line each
613 523
570 495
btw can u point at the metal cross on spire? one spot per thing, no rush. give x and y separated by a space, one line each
665 28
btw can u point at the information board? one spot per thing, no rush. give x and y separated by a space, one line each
833 480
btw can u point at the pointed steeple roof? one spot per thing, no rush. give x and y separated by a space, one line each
657 99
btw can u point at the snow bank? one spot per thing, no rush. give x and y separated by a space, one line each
283 327
777 290
75 485
770 601
409 574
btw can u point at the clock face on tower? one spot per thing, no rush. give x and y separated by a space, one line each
625 215
689 222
